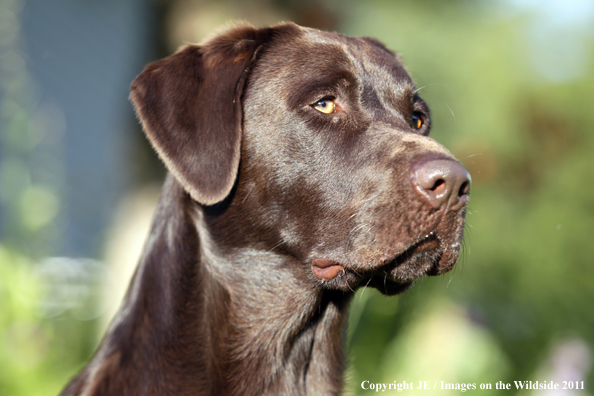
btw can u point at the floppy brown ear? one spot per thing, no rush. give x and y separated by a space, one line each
190 106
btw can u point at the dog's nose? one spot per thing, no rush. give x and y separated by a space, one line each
443 183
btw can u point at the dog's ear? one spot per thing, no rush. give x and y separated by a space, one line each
190 106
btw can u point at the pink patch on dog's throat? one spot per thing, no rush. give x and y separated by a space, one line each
326 269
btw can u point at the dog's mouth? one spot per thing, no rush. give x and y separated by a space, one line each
423 257
428 255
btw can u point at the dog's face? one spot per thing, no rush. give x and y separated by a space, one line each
334 154
333 128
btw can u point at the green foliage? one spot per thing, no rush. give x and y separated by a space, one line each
36 354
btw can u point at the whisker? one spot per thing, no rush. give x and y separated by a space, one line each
448 106
357 228
364 288
275 246
349 286
430 85
369 229
248 193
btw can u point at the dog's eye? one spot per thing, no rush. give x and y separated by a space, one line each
325 106
418 120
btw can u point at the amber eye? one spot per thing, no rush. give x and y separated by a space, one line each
418 120
325 106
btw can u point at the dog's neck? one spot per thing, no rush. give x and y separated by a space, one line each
224 322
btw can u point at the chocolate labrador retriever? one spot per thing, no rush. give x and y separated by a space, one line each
299 170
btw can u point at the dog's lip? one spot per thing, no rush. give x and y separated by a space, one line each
326 269
401 259
411 250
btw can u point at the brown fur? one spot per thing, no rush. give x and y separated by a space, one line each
261 185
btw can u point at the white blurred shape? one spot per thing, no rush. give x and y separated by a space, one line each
125 241
569 363
559 34
73 285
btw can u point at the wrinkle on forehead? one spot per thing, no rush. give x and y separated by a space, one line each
385 84
385 79
376 63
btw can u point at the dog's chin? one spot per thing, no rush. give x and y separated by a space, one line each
400 274
425 257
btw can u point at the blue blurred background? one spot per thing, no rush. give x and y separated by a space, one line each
511 86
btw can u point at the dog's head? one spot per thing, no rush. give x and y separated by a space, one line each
313 145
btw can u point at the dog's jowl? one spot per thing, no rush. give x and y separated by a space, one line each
299 170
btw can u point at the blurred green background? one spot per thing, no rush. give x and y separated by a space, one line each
511 87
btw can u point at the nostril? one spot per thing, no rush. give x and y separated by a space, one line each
464 189
439 187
